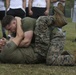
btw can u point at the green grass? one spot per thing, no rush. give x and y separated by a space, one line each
39 69
42 69
70 36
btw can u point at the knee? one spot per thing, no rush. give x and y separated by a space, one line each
63 59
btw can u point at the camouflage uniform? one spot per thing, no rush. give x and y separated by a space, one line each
42 35
56 54
49 42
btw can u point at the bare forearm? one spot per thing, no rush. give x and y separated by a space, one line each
24 4
19 32
48 4
30 4
7 3
27 39
24 43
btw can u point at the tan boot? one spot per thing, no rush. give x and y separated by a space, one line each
59 18
60 7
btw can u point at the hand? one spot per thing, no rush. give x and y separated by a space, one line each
46 12
2 42
30 12
19 29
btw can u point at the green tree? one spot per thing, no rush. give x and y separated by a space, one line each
69 3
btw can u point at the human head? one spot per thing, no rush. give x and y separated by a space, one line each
9 23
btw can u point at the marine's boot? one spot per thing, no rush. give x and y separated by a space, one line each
66 59
59 18
60 7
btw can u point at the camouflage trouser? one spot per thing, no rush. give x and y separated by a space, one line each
42 35
49 40
56 55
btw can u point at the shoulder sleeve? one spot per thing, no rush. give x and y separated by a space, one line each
28 24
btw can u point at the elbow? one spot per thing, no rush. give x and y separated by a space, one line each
20 36
27 44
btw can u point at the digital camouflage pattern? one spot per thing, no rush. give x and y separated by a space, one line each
49 45
49 42
56 45
65 59
42 35
48 38
56 55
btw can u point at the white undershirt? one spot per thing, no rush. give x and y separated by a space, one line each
14 4
39 3
2 7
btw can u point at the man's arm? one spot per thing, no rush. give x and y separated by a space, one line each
9 52
16 40
7 3
24 3
30 6
47 7
27 39
19 33
27 35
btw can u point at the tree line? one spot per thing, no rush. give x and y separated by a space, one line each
69 3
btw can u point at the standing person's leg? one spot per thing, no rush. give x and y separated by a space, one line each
20 13
17 12
52 11
41 12
27 12
35 13
2 14
11 12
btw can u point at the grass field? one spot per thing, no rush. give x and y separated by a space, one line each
42 69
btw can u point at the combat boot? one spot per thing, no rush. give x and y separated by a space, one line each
60 7
66 59
63 59
59 18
